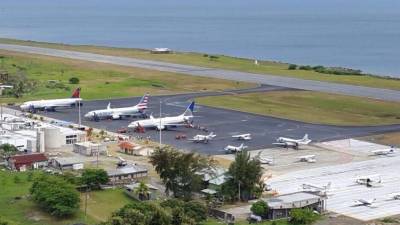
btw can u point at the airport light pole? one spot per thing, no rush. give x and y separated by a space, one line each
160 128
79 113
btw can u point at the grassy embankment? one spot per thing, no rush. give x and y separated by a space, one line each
225 62
102 81
313 107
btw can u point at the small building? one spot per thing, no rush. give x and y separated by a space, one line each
89 148
126 174
67 163
130 190
279 207
27 161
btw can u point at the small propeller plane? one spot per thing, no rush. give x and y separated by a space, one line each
370 180
307 158
242 137
292 143
233 149
364 202
203 138
386 152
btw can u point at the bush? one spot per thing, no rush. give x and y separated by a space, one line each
292 67
305 68
94 178
73 80
260 208
55 195
302 217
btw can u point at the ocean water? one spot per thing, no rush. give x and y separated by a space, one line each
360 34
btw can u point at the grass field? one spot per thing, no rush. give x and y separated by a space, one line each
313 107
225 62
102 81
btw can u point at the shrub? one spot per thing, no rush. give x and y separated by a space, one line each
292 67
302 217
305 68
73 80
260 208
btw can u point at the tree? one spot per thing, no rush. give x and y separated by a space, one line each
292 67
55 195
259 208
245 175
191 212
302 216
142 191
178 170
94 178
73 80
8 149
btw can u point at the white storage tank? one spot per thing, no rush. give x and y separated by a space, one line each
52 138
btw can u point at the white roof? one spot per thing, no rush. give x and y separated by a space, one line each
131 169
68 161
294 200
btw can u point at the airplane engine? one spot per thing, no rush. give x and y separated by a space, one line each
116 117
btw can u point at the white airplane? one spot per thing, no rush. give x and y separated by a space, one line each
119 113
266 160
388 151
243 137
316 188
364 202
370 180
307 158
203 138
52 104
232 149
395 196
165 122
293 143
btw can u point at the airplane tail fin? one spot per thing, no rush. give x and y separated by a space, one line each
143 101
189 110
109 105
76 93
305 138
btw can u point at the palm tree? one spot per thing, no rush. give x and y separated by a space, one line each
142 191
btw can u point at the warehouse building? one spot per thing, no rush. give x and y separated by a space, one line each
27 161
90 149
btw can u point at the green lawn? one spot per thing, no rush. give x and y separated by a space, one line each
24 211
313 107
102 81
225 62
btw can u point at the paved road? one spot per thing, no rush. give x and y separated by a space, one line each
224 123
376 93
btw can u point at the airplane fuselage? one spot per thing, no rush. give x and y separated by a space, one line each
115 113
160 123
50 104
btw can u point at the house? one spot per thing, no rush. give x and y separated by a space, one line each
130 190
66 163
126 174
129 148
89 148
280 206
27 161
213 178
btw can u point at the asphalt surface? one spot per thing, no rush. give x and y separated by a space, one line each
224 123
353 90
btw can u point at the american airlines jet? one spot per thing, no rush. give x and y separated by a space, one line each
165 122
119 113
53 104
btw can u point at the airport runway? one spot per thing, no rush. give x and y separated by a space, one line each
353 90
224 123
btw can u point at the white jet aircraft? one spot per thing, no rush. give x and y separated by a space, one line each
307 158
243 137
119 113
203 138
165 122
364 202
293 143
53 104
370 180
232 149
386 152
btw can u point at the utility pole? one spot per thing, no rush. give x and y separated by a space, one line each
160 126
79 112
239 190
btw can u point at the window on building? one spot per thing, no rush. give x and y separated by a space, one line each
71 139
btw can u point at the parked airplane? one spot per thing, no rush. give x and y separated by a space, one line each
244 137
165 122
203 138
119 113
370 180
395 196
364 202
307 158
232 149
388 151
293 143
266 160
53 104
